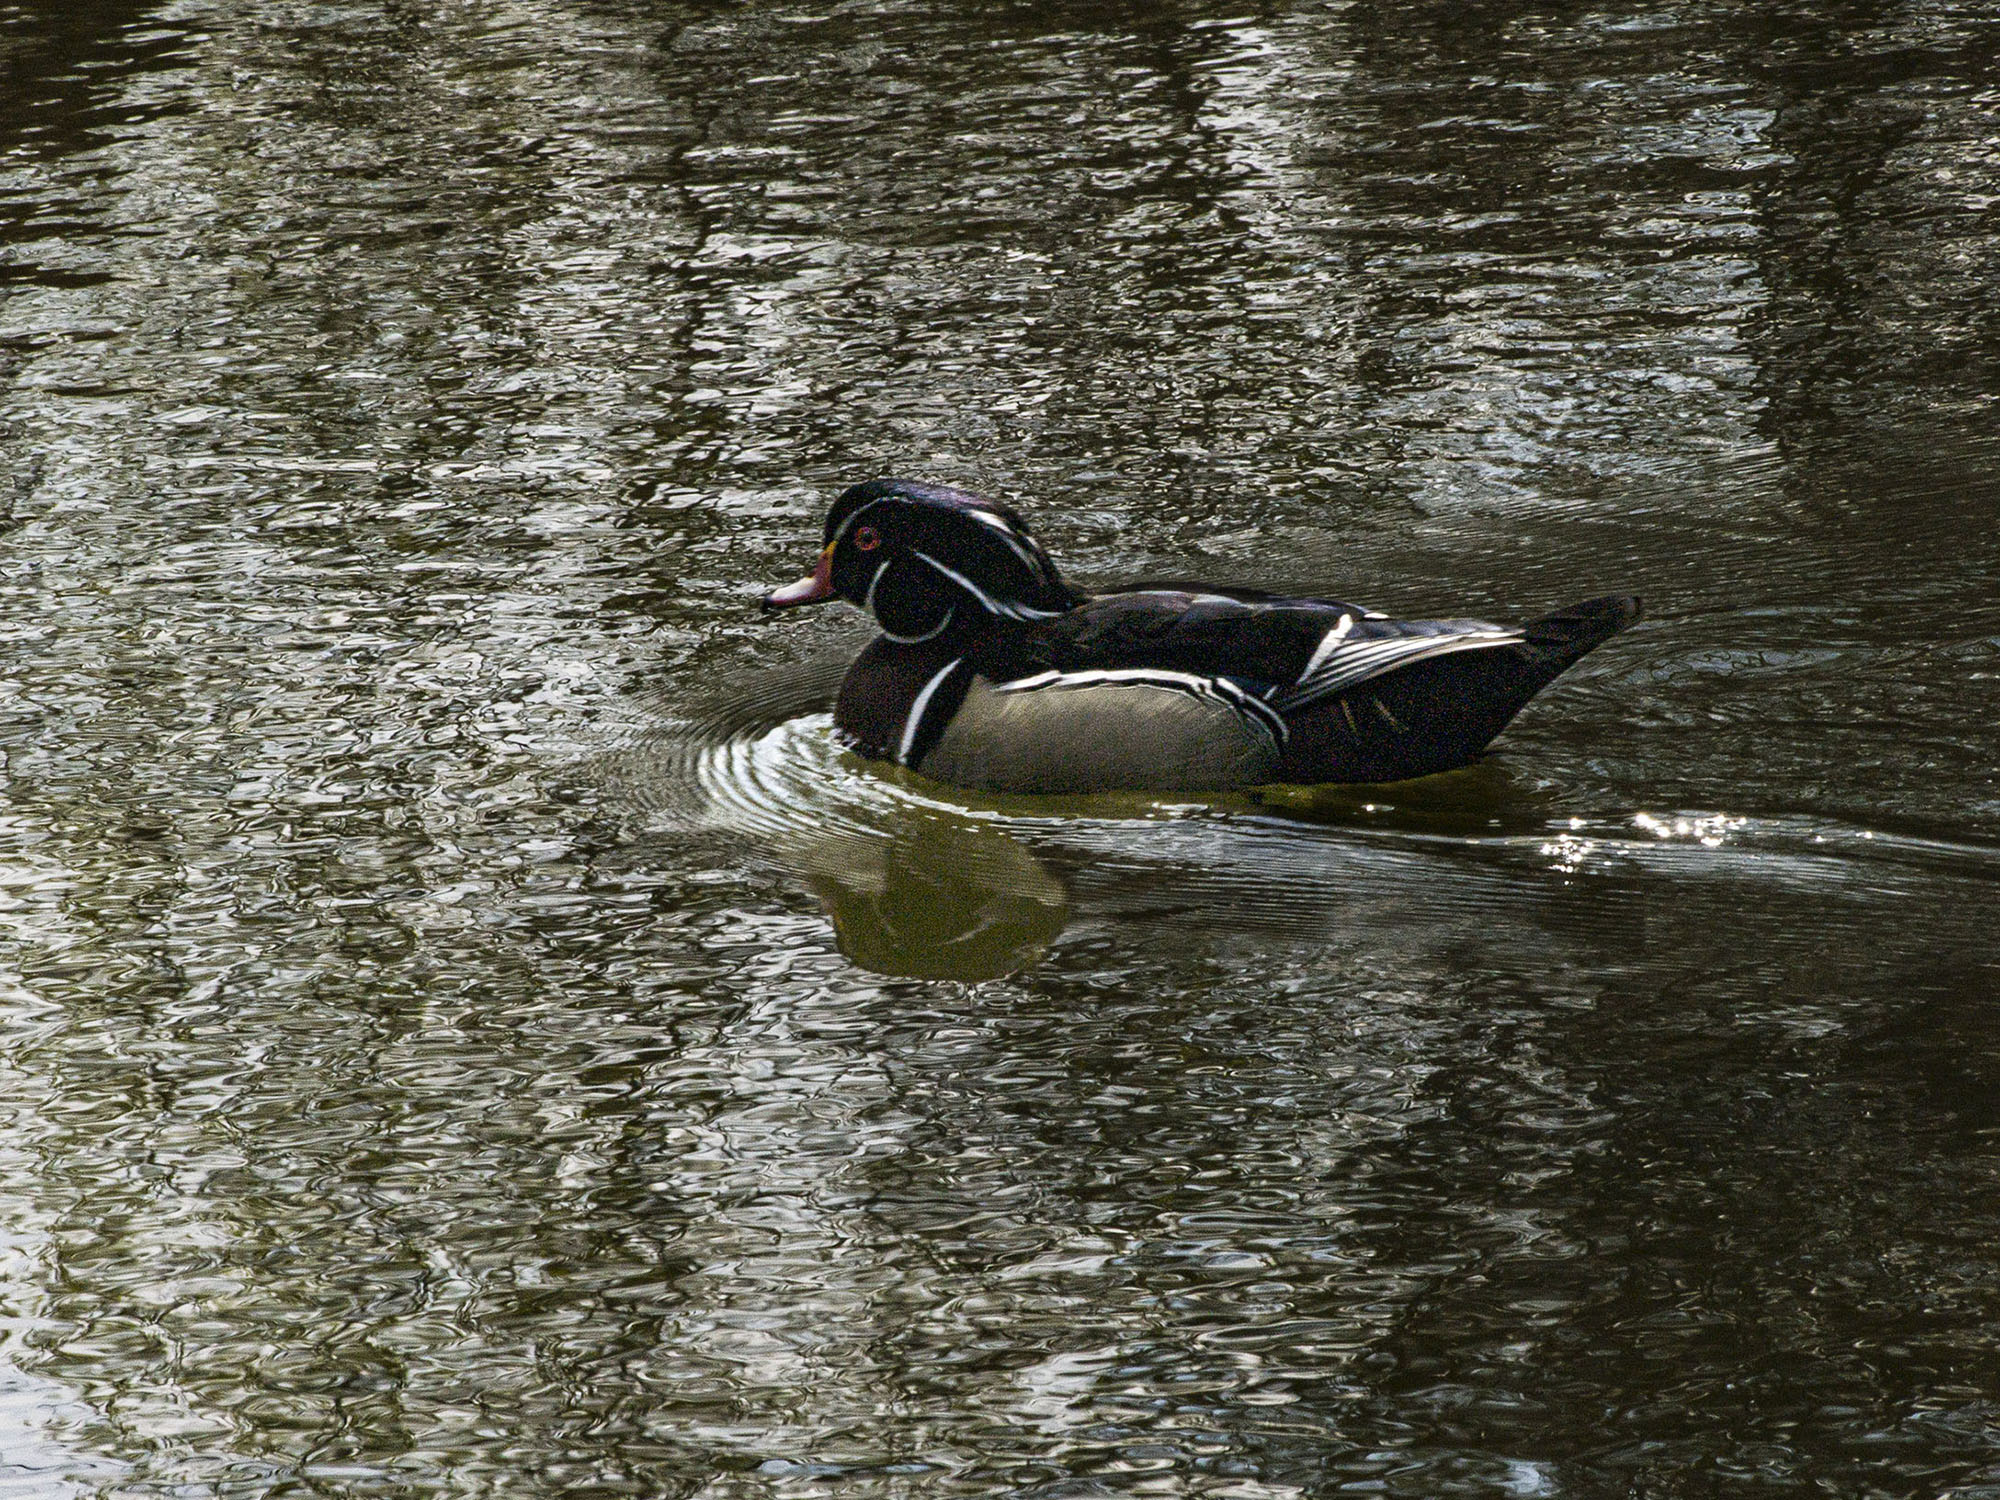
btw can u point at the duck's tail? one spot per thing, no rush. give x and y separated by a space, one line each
1442 712
1562 638
1554 644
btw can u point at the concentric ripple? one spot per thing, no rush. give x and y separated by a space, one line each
914 884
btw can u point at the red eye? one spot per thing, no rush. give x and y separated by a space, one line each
867 538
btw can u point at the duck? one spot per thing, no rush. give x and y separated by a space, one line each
992 673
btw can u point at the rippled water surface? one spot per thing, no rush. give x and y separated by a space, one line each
466 1028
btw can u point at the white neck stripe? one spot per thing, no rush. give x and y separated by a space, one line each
915 721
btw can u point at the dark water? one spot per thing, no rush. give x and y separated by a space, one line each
467 1031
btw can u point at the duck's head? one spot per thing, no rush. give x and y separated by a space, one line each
923 559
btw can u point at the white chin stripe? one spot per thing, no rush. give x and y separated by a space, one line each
868 603
912 640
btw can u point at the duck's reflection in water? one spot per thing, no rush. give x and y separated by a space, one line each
915 885
936 897
929 882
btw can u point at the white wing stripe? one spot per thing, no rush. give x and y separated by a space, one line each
1329 643
1351 665
1096 676
1258 714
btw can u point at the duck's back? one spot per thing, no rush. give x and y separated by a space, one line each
1247 636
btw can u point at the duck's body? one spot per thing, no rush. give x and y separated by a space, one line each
991 673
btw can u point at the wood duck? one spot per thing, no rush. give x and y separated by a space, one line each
991 672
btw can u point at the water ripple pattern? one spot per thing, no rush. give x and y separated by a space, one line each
467 1029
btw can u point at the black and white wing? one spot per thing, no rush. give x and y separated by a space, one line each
1358 650
1261 641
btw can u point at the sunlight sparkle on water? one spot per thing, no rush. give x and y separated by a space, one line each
1711 831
